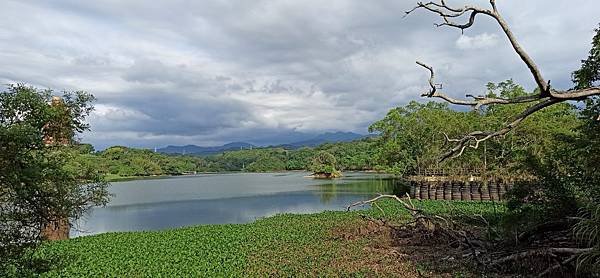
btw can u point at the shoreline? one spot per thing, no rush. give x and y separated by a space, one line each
279 245
116 178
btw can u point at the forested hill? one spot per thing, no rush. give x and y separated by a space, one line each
193 149
328 137
120 162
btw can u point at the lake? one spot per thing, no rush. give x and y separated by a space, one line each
158 204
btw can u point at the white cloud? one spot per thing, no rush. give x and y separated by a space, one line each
117 114
480 41
179 72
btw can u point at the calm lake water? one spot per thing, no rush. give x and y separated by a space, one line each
226 198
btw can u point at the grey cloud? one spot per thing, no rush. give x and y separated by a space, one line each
171 72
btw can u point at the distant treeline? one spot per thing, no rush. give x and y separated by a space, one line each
119 161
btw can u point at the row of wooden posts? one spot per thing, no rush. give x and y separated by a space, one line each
459 190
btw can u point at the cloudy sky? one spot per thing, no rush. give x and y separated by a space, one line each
210 72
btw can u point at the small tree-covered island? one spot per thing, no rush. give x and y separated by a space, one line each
323 166
295 139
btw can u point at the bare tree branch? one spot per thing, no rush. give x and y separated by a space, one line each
474 138
547 96
408 205
478 101
447 12
575 94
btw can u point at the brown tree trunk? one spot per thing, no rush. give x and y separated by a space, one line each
56 230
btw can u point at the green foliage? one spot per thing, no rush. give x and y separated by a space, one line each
120 162
412 137
584 158
266 163
39 184
283 245
299 159
587 146
589 72
587 231
355 155
568 178
535 139
324 164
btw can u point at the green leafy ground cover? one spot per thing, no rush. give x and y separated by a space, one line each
283 245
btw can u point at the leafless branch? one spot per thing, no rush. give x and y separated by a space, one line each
423 220
447 12
474 138
478 101
547 96
408 205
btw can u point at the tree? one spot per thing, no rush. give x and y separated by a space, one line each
265 163
587 156
588 144
545 95
586 89
589 73
39 185
323 165
411 137
299 159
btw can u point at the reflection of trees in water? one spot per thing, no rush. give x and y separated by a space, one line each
401 187
329 191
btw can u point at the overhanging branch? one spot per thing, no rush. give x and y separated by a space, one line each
546 96
473 139
478 101
447 13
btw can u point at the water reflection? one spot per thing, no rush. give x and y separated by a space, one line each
363 185
138 207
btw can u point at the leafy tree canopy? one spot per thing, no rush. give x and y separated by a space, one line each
323 164
40 184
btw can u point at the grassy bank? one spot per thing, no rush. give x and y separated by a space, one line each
283 245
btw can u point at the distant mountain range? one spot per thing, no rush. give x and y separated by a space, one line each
193 149
329 137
